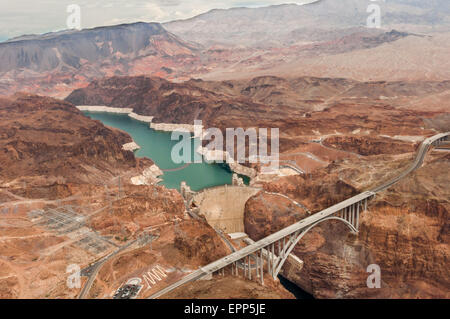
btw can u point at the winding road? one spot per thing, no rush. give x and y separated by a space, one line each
96 268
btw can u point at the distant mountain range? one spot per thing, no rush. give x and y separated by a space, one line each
286 24
60 61
220 44
70 49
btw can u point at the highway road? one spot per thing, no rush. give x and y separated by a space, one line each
96 268
423 149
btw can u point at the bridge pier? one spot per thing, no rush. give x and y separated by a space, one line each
357 218
352 213
258 275
262 266
249 267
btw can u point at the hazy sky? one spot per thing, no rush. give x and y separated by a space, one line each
19 17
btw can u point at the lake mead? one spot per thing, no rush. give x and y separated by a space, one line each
157 146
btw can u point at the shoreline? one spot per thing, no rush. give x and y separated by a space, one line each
223 156
115 110
149 176
132 146
170 127
163 127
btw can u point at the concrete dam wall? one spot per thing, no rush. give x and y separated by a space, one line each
223 206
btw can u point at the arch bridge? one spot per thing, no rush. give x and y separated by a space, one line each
272 251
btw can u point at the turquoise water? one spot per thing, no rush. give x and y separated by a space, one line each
158 146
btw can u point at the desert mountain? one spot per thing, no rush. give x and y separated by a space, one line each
69 49
328 38
266 97
318 39
290 23
59 60
39 147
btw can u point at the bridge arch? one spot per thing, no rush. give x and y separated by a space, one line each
298 236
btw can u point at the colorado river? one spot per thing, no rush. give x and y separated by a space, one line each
157 146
